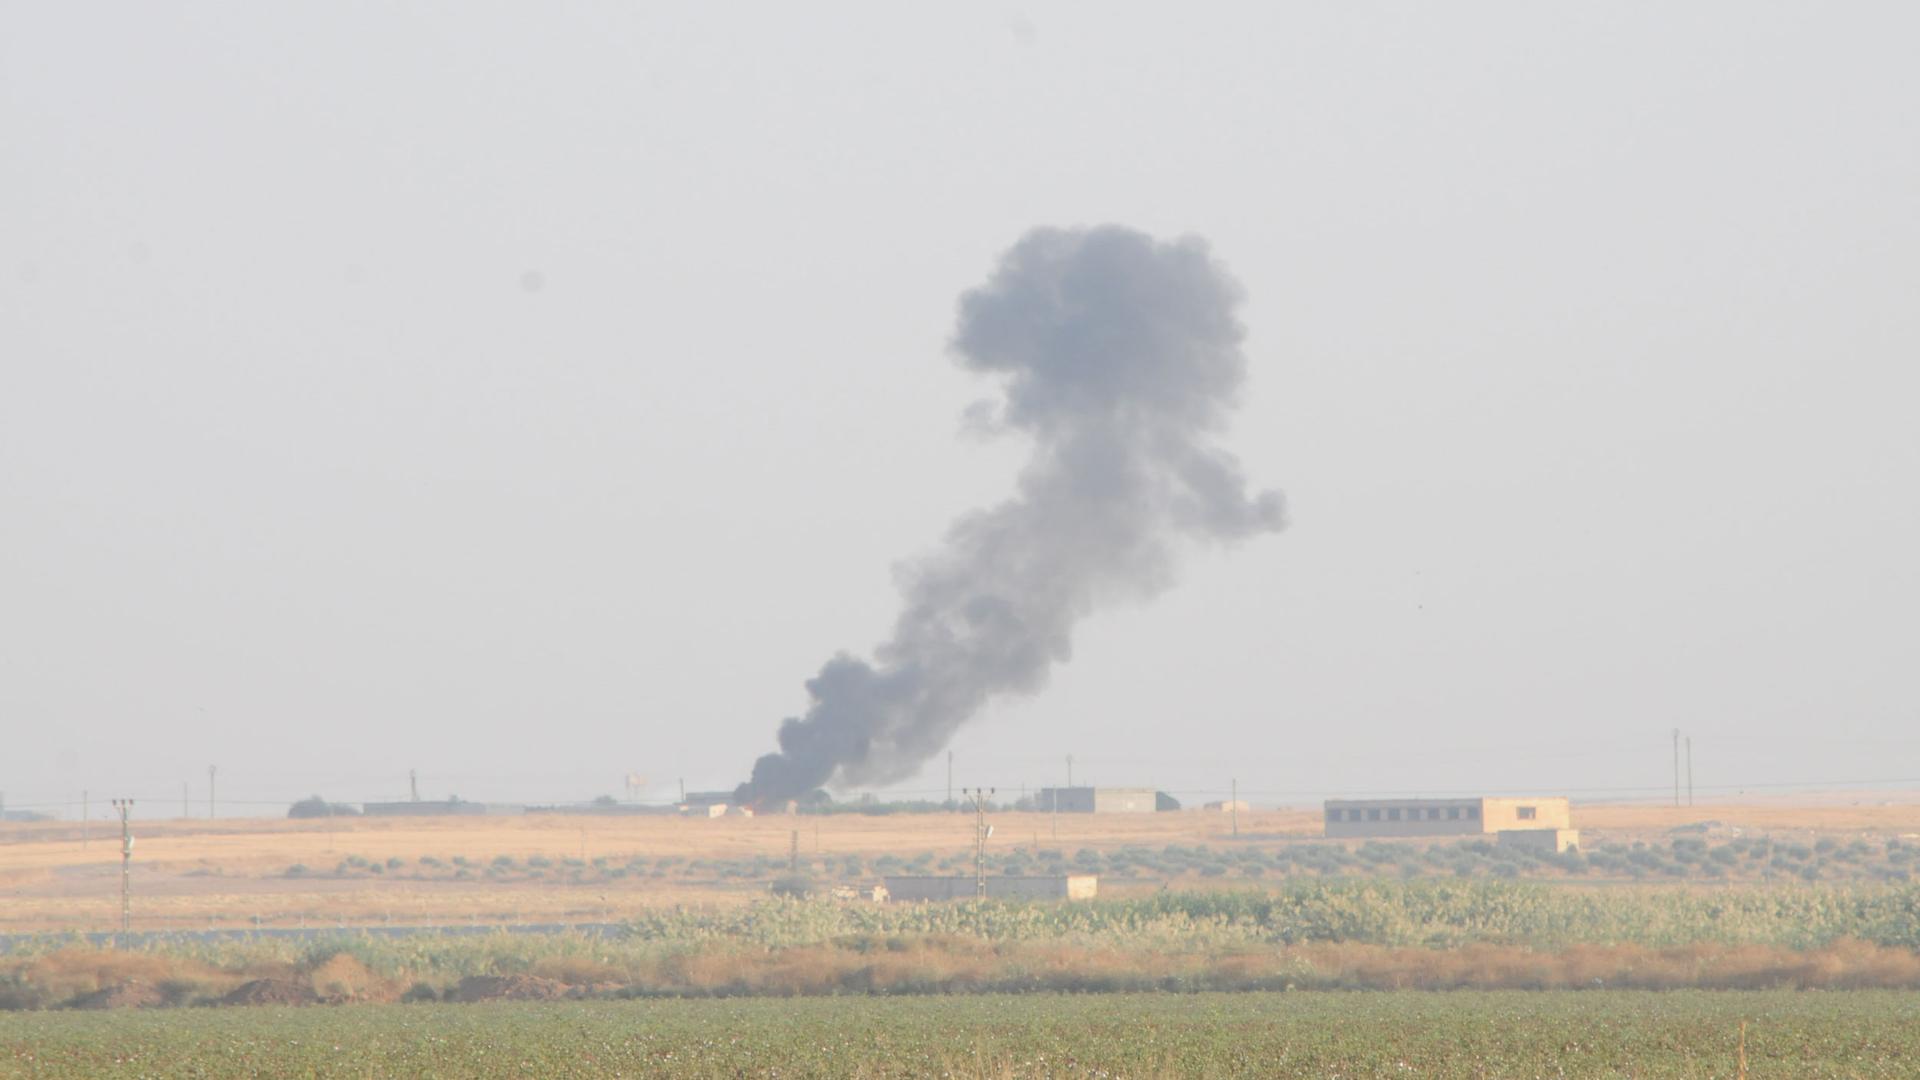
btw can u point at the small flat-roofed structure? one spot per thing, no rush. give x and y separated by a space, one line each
1444 817
1038 887
1098 800
1553 840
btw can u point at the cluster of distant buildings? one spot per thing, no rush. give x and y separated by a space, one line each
1540 822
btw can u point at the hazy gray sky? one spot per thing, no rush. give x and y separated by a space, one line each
535 393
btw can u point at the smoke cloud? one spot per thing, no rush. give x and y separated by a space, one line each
1121 359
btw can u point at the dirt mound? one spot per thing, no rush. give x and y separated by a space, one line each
341 978
127 995
271 992
509 988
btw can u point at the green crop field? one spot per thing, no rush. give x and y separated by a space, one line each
1585 1033
1752 859
1382 935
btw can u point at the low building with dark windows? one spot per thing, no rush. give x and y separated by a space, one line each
1445 817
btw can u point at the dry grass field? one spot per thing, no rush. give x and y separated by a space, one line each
234 873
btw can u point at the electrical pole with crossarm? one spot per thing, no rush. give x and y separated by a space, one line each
980 833
125 806
1676 766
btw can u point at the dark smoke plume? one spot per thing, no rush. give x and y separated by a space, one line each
1121 357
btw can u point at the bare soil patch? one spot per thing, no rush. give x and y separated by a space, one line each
127 995
271 992
509 988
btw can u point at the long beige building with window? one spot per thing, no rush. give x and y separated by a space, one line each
1445 817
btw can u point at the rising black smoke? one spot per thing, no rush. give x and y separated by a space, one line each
1121 356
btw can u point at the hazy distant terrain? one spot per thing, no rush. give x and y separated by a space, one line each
1195 960
585 868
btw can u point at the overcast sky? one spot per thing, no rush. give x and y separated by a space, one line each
533 394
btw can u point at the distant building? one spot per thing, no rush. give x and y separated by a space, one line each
1444 817
613 809
706 804
1227 806
908 888
1093 800
440 807
22 816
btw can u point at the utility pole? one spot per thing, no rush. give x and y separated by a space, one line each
184 812
125 806
1233 806
83 818
211 769
1069 770
1689 770
413 783
1676 766
949 778
980 834
793 852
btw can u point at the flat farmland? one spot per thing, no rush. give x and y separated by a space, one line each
588 868
1463 1034
235 873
